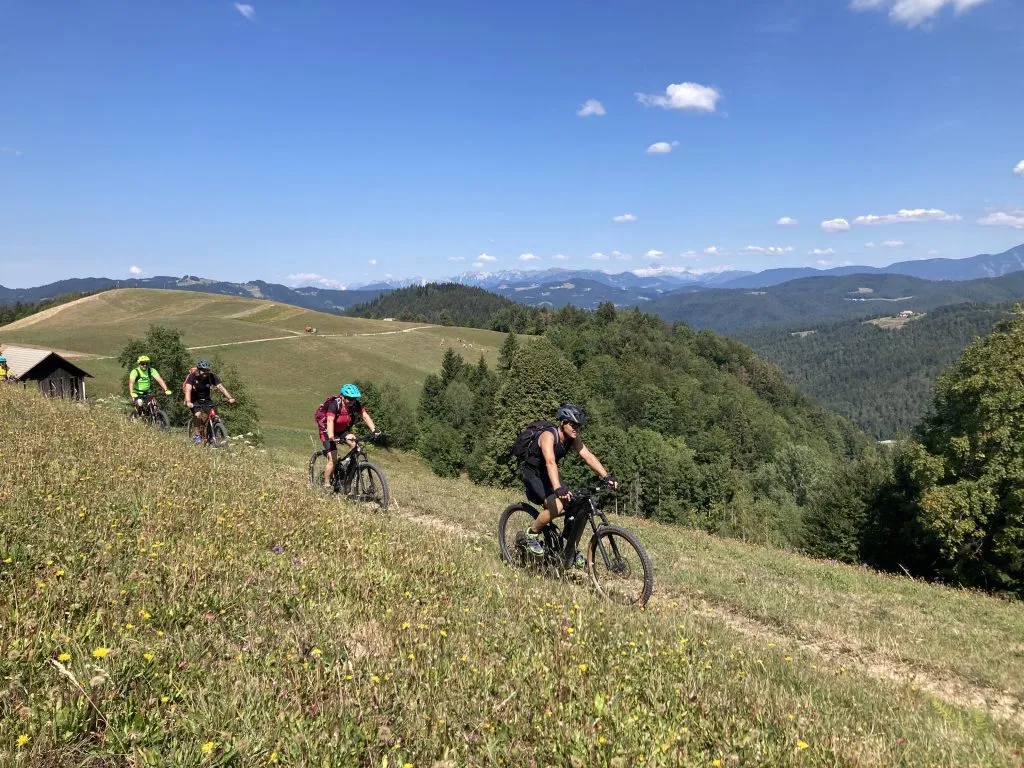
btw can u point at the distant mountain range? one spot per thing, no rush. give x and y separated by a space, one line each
723 301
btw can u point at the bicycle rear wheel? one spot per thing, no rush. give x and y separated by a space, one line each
511 530
317 464
370 486
161 420
620 567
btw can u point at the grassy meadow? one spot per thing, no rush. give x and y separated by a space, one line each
174 606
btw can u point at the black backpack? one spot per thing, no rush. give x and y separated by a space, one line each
520 449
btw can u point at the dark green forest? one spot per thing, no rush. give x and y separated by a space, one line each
880 378
453 304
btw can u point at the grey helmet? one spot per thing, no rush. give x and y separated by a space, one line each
570 412
203 365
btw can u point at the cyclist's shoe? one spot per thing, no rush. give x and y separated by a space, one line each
534 542
197 439
579 562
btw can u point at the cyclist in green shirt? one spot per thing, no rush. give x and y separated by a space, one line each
140 381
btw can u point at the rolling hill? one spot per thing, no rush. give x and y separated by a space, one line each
290 372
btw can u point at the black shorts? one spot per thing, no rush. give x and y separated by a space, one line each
537 484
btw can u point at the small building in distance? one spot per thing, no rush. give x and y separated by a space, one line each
54 375
906 313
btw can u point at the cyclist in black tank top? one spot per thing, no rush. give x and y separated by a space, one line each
540 471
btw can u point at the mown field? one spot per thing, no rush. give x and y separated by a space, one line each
174 606
289 373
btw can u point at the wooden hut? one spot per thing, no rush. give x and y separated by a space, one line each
54 375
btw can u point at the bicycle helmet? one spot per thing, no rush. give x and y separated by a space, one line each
572 413
351 390
142 359
203 365
3 359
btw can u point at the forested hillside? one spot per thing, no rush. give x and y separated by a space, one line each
879 377
452 304
821 299
698 429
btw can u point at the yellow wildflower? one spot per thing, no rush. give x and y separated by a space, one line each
65 657
208 747
23 739
801 744
147 656
100 653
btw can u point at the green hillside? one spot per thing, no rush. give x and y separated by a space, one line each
879 375
289 372
228 616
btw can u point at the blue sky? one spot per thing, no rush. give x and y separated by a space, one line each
325 141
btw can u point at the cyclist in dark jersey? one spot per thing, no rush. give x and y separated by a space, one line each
540 472
198 386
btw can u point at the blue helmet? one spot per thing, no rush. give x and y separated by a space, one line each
203 365
3 359
351 390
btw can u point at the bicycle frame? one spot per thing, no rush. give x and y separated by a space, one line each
208 416
576 522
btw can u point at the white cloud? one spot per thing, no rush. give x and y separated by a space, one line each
773 249
661 147
693 96
621 256
914 12
713 250
591 108
822 252
908 216
246 10
486 259
1018 169
835 225
17 152
456 258
870 245
598 256
690 255
315 280
560 257
893 244
527 257
133 270
625 217
653 254
787 221
372 262
1014 218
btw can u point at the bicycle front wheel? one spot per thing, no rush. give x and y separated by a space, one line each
620 566
217 434
370 487
161 420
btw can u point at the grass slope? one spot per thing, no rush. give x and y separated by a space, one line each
176 606
289 374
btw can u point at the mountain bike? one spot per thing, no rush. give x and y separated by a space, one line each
354 476
616 561
150 412
211 429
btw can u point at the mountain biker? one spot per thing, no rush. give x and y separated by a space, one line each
3 368
140 381
335 417
540 473
198 385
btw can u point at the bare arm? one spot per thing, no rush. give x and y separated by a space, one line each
593 462
368 421
224 391
546 443
162 383
188 395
